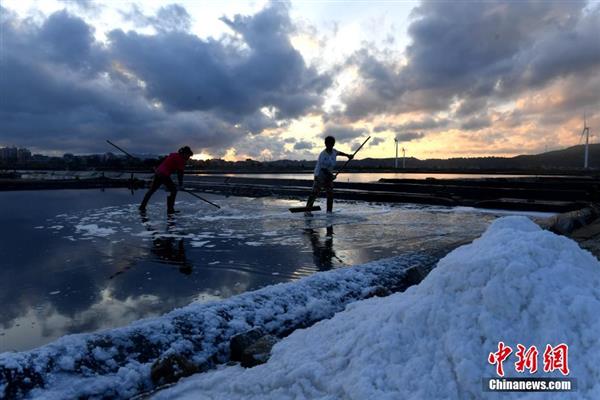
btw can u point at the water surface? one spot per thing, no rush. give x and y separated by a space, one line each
367 177
356 177
82 260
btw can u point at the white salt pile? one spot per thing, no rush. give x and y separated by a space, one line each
517 284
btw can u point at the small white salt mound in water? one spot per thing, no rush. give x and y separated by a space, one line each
517 284
94 230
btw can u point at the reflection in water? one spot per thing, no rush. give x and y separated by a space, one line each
323 253
80 238
167 248
365 177
170 251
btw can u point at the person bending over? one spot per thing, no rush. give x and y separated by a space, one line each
324 173
175 162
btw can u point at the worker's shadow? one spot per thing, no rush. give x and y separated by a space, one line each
167 247
323 253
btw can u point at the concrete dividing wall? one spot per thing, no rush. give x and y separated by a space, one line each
486 193
566 223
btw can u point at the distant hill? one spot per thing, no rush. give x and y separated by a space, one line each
571 157
567 159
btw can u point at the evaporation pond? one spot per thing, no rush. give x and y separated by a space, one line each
83 260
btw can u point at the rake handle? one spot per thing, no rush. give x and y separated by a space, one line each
350 159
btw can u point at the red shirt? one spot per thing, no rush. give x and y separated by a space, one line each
173 162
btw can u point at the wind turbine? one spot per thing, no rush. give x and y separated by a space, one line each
396 160
586 132
403 158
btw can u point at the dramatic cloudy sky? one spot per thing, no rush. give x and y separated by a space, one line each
269 80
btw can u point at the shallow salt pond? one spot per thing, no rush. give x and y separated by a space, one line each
82 260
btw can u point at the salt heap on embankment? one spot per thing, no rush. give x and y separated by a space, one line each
516 284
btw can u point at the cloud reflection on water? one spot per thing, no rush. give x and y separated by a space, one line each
124 266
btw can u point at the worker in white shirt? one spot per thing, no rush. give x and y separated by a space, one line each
324 173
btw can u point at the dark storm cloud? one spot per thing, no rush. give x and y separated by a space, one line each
470 106
343 133
421 124
303 145
172 17
476 123
87 6
383 128
376 141
185 72
409 136
571 49
253 123
274 69
64 91
68 40
475 51
60 109
259 147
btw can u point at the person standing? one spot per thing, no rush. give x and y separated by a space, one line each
175 162
324 173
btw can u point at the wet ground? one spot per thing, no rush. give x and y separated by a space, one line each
82 260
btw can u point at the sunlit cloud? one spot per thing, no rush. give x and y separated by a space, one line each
267 80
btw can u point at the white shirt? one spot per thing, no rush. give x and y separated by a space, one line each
326 161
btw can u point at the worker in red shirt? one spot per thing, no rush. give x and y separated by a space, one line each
175 162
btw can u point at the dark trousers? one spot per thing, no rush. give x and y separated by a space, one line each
322 182
156 183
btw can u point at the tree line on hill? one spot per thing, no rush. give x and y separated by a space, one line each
569 159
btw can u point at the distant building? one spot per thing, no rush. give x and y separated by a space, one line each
23 155
14 154
108 156
39 157
9 153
